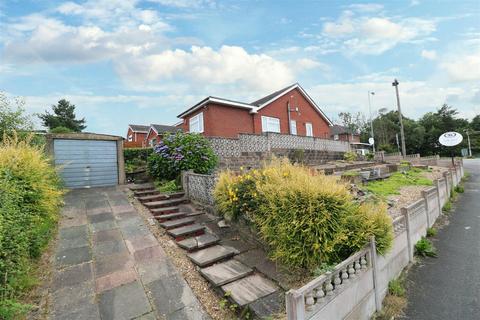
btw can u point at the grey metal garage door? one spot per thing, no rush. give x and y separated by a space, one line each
86 163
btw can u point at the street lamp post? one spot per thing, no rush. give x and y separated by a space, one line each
371 121
402 133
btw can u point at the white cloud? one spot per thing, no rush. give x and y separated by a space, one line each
375 35
429 54
230 65
463 67
366 7
185 3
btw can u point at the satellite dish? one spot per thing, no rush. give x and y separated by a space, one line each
371 141
450 139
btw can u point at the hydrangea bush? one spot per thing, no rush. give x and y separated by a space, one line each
180 152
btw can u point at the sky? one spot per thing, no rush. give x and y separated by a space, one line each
142 62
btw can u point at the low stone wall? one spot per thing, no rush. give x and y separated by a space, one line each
251 150
356 287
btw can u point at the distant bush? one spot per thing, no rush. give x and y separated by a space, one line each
178 152
136 158
61 130
306 219
350 156
30 197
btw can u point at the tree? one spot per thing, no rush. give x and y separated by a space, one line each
63 116
12 116
354 122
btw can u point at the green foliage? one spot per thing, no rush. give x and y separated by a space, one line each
459 189
180 152
350 173
61 130
136 158
396 287
63 116
392 184
425 248
30 198
322 268
298 156
305 218
350 156
168 186
12 116
447 207
370 156
431 232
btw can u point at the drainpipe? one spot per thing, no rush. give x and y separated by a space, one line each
289 122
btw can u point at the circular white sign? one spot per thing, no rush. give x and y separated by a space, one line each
450 139
371 141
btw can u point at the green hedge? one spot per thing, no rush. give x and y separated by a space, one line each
136 158
30 198
306 219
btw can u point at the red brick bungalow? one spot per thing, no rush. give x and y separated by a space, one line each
136 135
288 111
156 132
343 133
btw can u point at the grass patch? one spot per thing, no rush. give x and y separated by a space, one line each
425 248
395 301
447 207
166 186
431 232
459 189
396 181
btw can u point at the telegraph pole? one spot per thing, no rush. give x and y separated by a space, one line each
469 146
402 133
371 121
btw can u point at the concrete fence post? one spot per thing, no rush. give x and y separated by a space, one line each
373 256
409 236
427 209
437 184
295 306
445 175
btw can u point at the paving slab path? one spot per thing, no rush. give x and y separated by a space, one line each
448 287
108 265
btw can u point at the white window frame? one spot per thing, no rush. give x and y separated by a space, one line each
130 138
308 129
195 123
293 127
270 124
336 137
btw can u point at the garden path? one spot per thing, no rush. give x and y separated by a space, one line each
108 265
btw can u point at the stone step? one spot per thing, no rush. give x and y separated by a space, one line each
171 216
226 272
167 210
145 193
175 223
249 289
143 187
199 242
165 203
186 231
160 197
211 255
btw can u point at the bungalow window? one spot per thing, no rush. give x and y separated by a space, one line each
270 124
335 137
309 128
196 123
293 127
130 138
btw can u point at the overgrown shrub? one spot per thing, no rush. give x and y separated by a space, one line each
178 152
350 156
30 197
136 158
306 218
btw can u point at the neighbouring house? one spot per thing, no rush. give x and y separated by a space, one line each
136 135
288 111
343 133
156 132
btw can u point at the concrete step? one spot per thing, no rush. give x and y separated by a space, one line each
160 197
143 187
165 203
226 272
249 289
199 242
211 255
161 211
144 193
171 216
186 231
175 223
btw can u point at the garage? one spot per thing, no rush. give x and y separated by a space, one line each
87 160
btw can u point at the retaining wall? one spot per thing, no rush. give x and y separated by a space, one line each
356 287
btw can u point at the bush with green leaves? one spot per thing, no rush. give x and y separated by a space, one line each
181 152
30 198
136 158
425 248
350 156
305 218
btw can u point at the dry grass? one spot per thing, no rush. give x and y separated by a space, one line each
393 307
